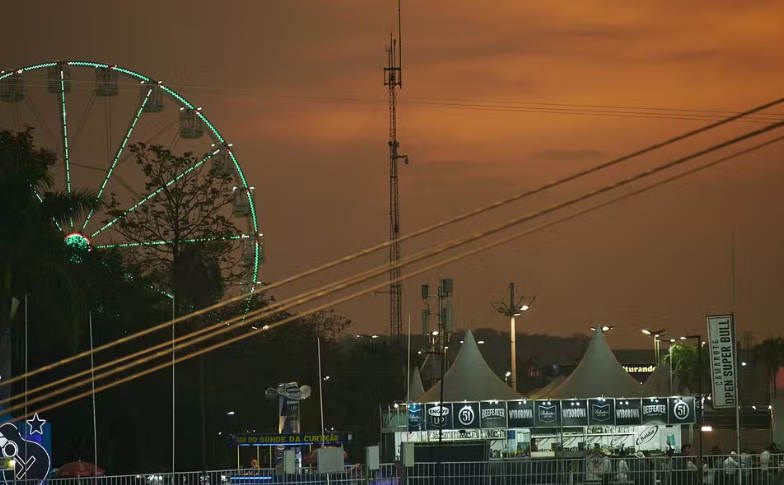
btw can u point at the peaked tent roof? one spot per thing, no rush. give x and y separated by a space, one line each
599 374
415 387
470 379
658 383
546 390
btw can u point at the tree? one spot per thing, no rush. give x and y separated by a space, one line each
185 216
190 208
33 258
770 353
687 368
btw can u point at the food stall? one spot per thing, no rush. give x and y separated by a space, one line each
598 404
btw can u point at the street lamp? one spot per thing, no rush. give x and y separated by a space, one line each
513 309
605 328
657 335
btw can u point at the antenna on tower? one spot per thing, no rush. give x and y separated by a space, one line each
400 44
393 80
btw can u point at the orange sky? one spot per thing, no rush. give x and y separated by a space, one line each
320 166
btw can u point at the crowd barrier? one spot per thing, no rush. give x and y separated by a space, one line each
585 470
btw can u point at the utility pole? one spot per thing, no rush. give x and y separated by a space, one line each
393 79
513 309
438 341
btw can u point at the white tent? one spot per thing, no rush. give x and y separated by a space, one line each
470 379
415 387
545 391
599 374
658 383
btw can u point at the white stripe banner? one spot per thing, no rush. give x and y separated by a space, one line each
724 377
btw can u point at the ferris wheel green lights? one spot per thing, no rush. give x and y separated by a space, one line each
78 246
79 97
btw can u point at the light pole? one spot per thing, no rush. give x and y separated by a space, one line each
657 335
513 309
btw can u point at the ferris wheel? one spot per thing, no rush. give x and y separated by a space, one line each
89 114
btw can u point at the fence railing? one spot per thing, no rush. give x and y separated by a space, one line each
583 470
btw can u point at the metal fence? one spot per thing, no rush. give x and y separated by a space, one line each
579 470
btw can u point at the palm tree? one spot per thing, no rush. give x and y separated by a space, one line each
33 259
687 368
770 353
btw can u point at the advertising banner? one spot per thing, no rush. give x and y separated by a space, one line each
553 413
547 414
521 414
466 415
493 414
654 411
724 377
628 412
439 416
416 420
682 410
574 413
601 412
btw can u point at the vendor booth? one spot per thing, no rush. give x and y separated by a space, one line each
599 404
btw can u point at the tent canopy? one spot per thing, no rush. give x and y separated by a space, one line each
469 379
599 374
658 383
415 387
546 390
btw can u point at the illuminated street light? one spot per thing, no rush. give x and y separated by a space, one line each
512 308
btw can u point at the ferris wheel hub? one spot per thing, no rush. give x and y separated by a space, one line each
77 245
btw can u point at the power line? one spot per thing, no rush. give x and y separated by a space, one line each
617 111
255 315
420 232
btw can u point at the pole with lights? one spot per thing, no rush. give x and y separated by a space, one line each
657 336
512 309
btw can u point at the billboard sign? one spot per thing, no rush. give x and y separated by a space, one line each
724 377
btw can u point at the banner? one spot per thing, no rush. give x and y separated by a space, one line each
601 411
296 439
466 415
416 421
439 416
574 413
547 414
724 377
654 411
682 410
553 413
521 414
493 414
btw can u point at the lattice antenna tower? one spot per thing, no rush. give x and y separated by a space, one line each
393 80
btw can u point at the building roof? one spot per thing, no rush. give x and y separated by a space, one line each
599 374
415 387
470 379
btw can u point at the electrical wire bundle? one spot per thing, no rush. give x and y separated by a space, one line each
63 391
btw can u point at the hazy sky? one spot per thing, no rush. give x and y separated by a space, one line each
320 165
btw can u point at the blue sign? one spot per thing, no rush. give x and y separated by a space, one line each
31 460
416 420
